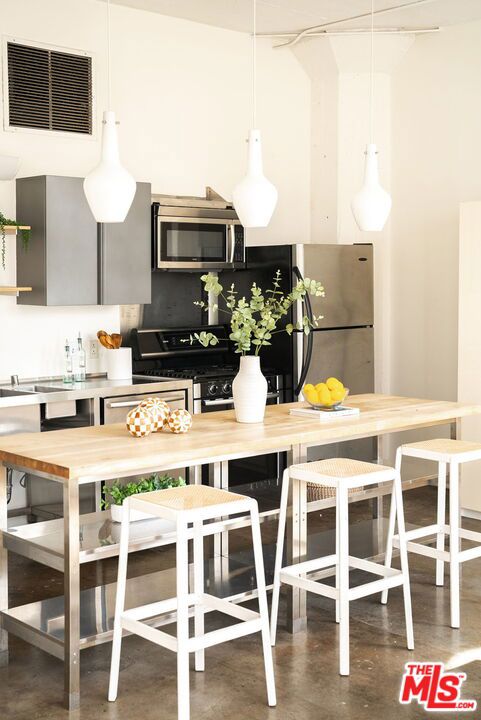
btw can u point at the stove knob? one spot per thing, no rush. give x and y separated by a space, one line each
227 388
213 389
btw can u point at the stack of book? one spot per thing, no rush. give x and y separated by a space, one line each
327 415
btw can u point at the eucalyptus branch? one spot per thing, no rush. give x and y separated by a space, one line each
253 322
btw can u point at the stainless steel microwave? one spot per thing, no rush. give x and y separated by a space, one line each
193 238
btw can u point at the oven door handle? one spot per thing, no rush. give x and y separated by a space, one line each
134 403
230 401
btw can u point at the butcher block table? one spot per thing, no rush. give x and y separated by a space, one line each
86 455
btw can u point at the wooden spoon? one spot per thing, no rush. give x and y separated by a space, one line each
116 339
105 340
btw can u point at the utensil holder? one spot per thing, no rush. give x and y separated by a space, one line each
119 364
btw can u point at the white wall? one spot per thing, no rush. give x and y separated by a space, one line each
318 59
182 94
436 164
436 160
469 343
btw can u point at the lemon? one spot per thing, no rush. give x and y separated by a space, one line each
310 394
338 394
321 386
308 387
324 396
334 384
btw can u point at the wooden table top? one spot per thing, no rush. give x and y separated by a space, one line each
109 451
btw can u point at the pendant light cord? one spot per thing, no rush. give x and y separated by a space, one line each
254 63
371 100
109 92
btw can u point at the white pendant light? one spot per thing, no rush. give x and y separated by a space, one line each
372 204
255 197
109 188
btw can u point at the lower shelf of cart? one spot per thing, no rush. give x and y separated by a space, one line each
42 623
99 537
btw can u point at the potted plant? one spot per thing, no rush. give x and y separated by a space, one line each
253 322
115 494
25 233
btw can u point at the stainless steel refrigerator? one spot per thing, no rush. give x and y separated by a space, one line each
343 344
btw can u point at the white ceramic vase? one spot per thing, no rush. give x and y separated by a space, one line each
249 391
117 513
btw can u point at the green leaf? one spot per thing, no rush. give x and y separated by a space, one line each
116 493
254 319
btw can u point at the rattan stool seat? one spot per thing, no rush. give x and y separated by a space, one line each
333 471
443 450
189 497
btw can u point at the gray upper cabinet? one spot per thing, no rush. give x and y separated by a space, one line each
125 252
70 260
60 263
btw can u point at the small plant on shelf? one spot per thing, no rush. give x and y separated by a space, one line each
25 235
116 493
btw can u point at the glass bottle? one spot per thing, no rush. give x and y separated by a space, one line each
68 368
80 373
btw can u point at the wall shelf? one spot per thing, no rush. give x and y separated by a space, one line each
13 290
12 229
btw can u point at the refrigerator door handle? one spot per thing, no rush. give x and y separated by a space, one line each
308 356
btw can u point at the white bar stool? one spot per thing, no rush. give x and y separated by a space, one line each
191 506
444 452
345 476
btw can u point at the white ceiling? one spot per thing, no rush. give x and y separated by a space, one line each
293 15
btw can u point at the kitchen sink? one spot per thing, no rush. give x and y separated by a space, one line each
24 389
12 393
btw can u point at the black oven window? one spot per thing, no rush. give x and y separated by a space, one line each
193 242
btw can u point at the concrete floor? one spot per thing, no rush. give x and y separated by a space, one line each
308 684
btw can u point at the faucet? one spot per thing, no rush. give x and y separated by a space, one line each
14 379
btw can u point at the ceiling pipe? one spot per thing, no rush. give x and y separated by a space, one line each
316 28
358 31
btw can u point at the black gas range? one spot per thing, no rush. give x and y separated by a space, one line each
175 353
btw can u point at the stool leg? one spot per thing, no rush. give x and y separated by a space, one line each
404 560
279 552
337 560
441 519
390 534
182 576
119 602
454 542
199 591
263 609
392 524
343 562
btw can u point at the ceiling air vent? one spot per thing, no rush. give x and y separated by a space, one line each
49 89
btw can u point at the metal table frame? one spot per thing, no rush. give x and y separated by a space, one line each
297 549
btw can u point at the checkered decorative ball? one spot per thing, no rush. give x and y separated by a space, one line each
180 421
140 422
159 409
